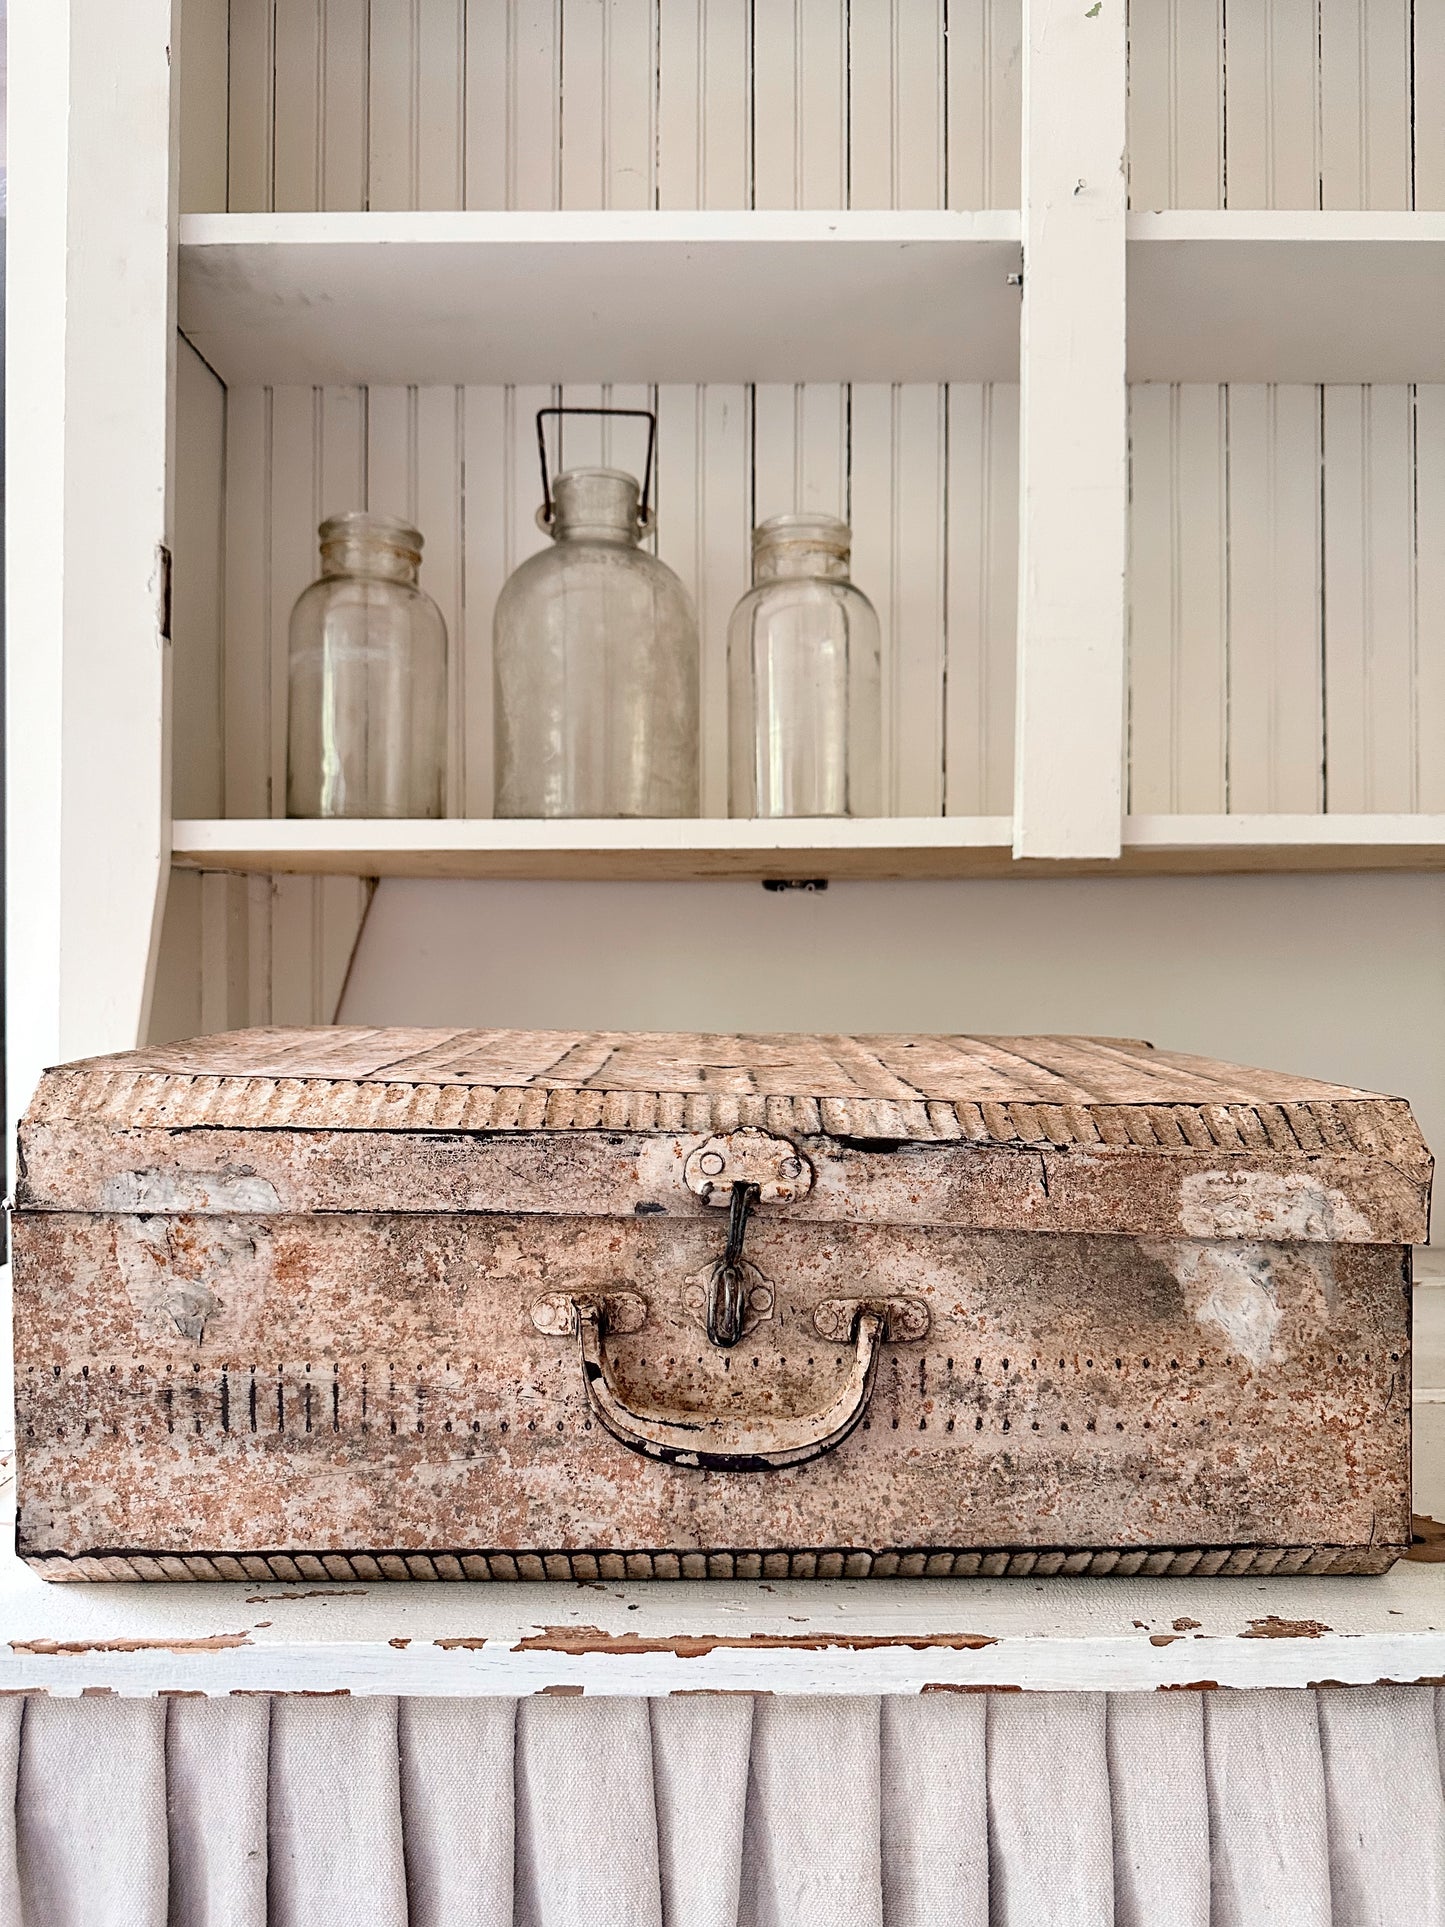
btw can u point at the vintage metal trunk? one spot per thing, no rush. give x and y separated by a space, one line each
503 1303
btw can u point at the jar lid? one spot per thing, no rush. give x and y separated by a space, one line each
360 525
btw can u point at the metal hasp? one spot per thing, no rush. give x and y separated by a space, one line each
741 1170
773 1165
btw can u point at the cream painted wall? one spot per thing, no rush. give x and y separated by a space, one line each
1338 977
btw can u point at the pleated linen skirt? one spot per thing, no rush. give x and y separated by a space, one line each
1240 1809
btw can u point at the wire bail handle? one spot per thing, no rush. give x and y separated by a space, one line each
645 520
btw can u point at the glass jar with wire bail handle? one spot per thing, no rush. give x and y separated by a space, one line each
595 656
366 724
804 700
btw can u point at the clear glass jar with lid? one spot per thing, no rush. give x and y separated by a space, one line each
595 661
804 702
366 726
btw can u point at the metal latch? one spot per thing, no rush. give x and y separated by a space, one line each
742 1170
773 1165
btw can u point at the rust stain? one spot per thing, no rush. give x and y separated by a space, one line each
563 1692
956 1686
180 1693
1188 1686
1184 1625
324 1592
1273 1627
97 1692
592 1639
1163 1639
65 1648
468 1644
400 1644
720 1693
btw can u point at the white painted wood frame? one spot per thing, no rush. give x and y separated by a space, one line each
89 371
1073 433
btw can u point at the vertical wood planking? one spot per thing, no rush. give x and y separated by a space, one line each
247 667
898 547
487 91
440 441
1428 520
393 77
484 524
1068 768
608 96
445 103
704 133
982 598
225 953
871 156
534 103
821 114
297 105
1276 695
204 66
179 997
345 47
295 510
251 117
1365 103
1176 118
984 58
919 106
1178 576
1272 105
896 114
722 455
197 613
1152 750
1428 145
916 621
1369 599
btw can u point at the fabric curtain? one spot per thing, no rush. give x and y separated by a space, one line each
1259 1809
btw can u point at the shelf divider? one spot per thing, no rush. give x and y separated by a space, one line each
1073 434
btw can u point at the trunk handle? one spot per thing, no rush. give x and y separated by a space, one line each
758 1444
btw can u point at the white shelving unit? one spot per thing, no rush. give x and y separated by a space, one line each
899 846
670 297
1181 628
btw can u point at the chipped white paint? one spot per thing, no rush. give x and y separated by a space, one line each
216 1271
1268 1205
900 1637
177 1189
1230 1289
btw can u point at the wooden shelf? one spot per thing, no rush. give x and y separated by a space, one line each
785 1636
951 846
781 296
614 297
1300 297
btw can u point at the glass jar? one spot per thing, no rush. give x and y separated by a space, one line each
366 727
804 714
595 665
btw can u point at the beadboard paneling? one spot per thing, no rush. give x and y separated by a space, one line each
1286 104
620 104
1285 645
800 103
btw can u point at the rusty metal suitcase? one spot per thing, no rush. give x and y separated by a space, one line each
498 1303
